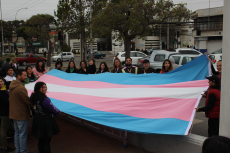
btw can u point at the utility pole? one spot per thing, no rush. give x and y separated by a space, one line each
160 38
91 47
2 28
225 96
168 36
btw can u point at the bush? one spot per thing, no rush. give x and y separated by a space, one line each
66 48
137 49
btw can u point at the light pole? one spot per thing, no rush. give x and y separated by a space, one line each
2 29
19 10
15 29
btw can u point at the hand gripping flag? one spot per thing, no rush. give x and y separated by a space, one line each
145 103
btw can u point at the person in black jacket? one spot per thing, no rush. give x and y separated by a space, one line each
92 67
58 65
83 69
71 68
4 116
44 126
103 68
146 68
117 66
5 67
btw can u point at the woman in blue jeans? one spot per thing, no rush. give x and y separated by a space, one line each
44 125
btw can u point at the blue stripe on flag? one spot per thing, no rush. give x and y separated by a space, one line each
124 122
194 70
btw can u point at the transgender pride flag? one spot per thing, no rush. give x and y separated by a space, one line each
146 103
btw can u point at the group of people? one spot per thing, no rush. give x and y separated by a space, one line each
117 67
16 106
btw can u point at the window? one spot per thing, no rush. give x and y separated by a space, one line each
123 55
159 57
34 56
186 60
218 52
27 55
69 54
140 55
177 59
133 54
99 52
64 54
212 57
188 52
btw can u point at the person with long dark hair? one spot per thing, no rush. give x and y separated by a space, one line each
39 68
58 65
30 75
166 66
71 68
103 68
83 69
44 126
117 66
92 67
4 116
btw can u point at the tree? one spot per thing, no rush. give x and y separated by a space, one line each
74 17
131 18
38 26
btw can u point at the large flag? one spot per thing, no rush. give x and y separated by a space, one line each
145 103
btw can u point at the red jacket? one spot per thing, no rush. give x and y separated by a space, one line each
215 111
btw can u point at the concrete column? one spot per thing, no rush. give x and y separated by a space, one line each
225 96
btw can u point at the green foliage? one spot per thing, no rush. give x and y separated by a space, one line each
38 26
131 18
66 48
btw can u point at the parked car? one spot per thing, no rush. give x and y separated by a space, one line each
157 58
29 59
188 51
181 59
135 55
152 49
97 55
65 56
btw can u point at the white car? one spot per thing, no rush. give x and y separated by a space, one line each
135 55
65 56
181 59
188 51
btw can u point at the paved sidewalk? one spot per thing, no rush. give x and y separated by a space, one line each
77 139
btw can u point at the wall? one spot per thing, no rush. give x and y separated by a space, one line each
203 46
213 45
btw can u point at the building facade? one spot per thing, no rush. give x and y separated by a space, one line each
208 29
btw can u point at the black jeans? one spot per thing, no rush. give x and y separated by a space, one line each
44 145
213 126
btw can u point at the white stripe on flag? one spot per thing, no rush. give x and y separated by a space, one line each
193 92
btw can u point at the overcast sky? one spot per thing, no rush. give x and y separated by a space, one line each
10 7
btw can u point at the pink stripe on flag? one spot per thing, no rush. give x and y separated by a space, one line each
97 84
153 108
